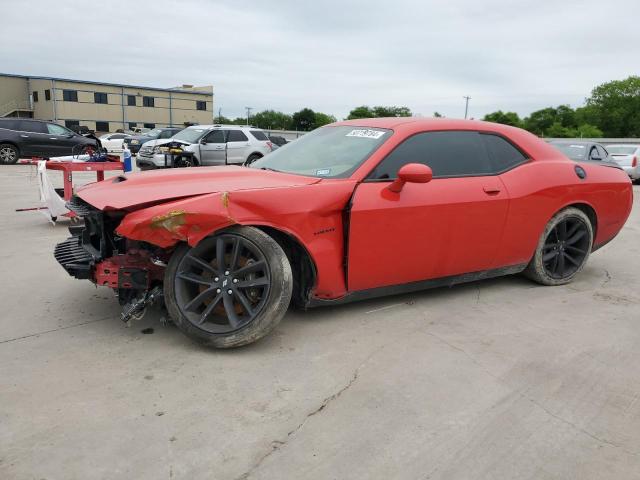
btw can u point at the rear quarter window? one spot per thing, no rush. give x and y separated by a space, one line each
259 135
9 124
503 154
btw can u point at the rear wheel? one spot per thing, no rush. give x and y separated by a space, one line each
8 154
252 158
563 249
229 290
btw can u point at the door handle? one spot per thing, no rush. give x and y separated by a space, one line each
24 136
491 189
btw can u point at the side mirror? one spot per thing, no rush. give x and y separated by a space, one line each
203 142
411 173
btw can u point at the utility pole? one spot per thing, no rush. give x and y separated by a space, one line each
248 114
219 115
466 106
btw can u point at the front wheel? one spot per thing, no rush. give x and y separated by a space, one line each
229 290
563 248
8 154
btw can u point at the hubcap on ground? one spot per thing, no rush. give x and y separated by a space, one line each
223 283
565 248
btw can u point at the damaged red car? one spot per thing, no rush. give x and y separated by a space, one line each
350 211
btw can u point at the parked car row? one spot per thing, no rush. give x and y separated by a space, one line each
206 145
625 156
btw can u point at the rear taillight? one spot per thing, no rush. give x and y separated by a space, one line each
270 145
634 162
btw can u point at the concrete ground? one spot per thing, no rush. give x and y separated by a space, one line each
499 379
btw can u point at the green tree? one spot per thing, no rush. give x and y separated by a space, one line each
557 130
303 120
360 112
271 119
323 119
506 118
541 120
381 111
365 111
615 107
437 115
588 131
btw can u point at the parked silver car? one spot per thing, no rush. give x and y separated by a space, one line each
627 156
207 145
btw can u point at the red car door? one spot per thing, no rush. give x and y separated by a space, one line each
448 226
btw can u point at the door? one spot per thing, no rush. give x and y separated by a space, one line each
213 149
63 140
33 137
448 226
237 146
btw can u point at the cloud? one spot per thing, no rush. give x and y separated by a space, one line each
334 55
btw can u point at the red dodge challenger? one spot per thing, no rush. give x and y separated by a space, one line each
353 210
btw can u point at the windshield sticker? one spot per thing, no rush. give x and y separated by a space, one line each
365 133
324 172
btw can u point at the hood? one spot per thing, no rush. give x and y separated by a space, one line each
152 187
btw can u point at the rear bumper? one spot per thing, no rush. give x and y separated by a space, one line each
633 172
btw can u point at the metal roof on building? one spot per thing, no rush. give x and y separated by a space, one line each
176 90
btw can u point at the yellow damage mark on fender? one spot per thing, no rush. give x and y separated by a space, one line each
224 198
171 221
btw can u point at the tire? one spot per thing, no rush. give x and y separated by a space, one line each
563 248
185 162
9 154
255 270
252 158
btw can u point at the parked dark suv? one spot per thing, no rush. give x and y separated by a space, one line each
22 137
134 142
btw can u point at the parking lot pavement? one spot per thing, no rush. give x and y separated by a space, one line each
497 379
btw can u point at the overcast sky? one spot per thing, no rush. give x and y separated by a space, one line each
333 55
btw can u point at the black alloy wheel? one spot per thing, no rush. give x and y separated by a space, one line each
563 248
566 248
223 283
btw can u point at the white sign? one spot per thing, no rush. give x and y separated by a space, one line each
365 133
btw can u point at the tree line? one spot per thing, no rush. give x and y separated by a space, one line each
612 110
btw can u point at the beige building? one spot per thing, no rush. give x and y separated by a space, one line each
103 107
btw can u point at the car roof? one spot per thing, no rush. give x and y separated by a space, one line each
221 125
635 145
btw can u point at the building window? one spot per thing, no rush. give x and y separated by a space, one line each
35 96
132 125
70 95
102 126
149 125
100 97
71 123
201 105
148 102
131 100
47 94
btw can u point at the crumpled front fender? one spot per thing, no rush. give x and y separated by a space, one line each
188 220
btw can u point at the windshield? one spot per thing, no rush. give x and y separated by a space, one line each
621 150
574 151
329 152
190 135
153 133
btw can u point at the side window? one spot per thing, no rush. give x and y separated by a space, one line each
503 154
449 154
217 136
10 124
56 129
117 136
70 95
237 136
259 135
29 126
